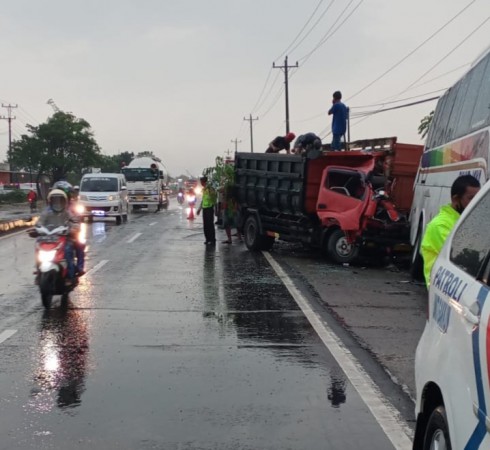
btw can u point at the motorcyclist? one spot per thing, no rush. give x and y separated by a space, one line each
56 215
79 246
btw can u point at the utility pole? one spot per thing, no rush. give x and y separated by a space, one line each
236 142
9 118
251 131
286 67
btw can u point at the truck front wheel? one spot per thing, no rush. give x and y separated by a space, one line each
339 248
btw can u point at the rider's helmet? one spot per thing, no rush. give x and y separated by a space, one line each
290 137
57 200
66 187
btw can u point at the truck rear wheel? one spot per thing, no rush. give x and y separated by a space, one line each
339 249
253 239
251 233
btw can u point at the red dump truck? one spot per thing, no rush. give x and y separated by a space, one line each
337 201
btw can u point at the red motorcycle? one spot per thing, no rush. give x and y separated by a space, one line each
51 264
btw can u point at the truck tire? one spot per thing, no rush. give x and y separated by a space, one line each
417 262
339 249
251 233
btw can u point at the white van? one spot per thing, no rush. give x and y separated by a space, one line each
452 362
104 195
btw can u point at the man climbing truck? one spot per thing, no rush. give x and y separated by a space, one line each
337 201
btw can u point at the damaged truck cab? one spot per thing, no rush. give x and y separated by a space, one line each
337 201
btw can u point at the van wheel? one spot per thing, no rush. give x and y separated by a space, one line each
437 432
339 249
118 220
417 262
125 217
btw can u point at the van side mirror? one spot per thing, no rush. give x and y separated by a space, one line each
124 188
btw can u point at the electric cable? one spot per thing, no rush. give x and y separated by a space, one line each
386 72
301 31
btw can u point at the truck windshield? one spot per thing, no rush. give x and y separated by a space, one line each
102 184
140 174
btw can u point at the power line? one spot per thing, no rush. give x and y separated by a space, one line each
276 78
406 105
276 99
327 36
301 31
313 27
446 55
386 72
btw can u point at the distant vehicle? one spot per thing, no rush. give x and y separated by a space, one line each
103 195
458 143
452 362
147 181
336 201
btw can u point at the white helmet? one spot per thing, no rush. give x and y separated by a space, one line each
57 200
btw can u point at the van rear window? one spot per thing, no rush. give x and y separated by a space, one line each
99 184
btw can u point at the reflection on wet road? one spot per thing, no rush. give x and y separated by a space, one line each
176 345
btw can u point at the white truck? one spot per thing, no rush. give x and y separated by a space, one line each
147 185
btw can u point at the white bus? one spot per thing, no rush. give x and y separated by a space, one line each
457 144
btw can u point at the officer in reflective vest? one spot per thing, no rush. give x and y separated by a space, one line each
207 206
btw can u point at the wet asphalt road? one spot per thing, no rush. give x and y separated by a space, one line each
169 344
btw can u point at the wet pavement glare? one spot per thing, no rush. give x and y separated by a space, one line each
176 345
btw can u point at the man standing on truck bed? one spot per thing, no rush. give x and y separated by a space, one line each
463 190
281 143
207 206
339 120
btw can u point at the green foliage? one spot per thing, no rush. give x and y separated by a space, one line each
221 175
113 163
63 144
425 124
14 196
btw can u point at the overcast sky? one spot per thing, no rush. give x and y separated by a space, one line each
178 76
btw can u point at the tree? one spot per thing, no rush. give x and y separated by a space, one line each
113 163
222 175
63 144
425 124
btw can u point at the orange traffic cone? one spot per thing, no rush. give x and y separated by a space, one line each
191 213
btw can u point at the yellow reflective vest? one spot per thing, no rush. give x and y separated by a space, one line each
435 235
208 197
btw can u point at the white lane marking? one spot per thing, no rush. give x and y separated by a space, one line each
151 224
97 267
132 239
384 412
6 334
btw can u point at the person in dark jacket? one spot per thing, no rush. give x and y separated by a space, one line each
281 143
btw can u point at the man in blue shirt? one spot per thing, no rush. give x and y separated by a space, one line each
339 120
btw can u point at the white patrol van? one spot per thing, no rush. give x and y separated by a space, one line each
452 362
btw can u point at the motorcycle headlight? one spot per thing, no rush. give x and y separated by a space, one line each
79 209
46 256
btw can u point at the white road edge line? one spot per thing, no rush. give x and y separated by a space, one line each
151 224
132 239
384 412
97 267
14 234
6 334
